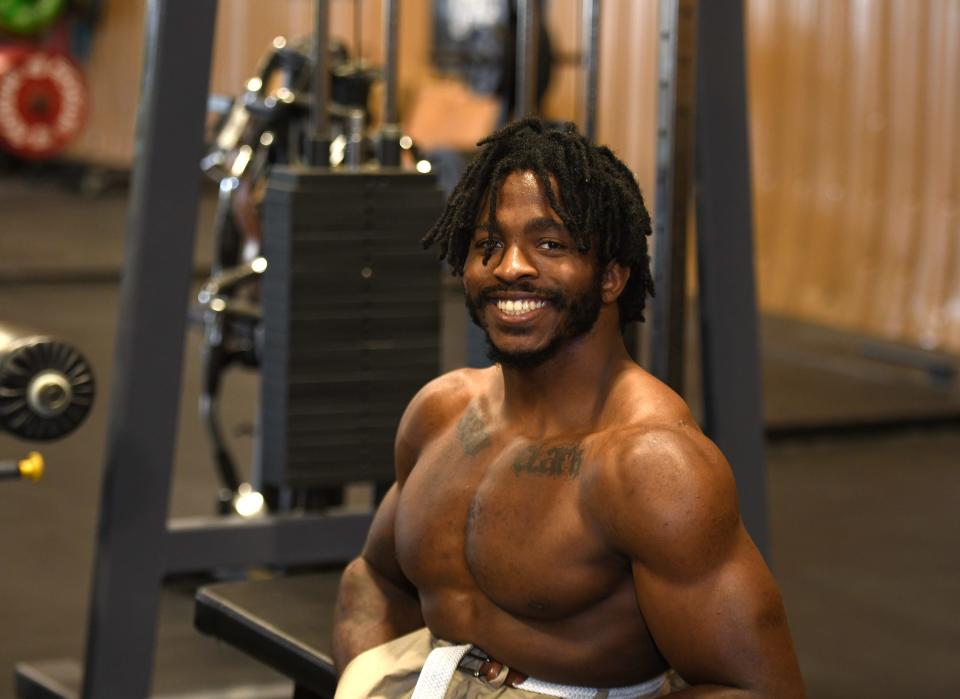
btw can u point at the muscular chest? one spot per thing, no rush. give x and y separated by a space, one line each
507 521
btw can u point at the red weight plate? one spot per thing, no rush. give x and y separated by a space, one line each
11 55
43 104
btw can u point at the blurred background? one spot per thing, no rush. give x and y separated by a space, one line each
853 107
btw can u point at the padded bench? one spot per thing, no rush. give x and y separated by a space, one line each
284 622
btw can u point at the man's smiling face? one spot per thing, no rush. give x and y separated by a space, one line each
527 284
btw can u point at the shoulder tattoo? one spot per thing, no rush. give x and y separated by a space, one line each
472 432
561 461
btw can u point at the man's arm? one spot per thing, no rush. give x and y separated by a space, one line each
706 594
375 603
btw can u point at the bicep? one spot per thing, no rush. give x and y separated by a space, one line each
725 624
380 549
375 602
426 415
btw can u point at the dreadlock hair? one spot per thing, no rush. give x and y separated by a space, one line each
601 203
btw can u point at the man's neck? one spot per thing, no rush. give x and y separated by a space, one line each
567 393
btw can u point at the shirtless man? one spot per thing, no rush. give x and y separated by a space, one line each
560 510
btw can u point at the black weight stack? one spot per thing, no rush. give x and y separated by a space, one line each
351 307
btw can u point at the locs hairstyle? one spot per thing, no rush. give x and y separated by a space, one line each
601 202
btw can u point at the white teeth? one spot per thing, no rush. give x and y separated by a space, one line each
519 307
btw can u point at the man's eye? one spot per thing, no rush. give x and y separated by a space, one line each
487 244
552 245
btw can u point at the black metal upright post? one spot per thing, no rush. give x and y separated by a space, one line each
728 303
590 16
131 533
528 38
674 186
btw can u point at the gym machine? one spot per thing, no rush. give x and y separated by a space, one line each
350 301
266 127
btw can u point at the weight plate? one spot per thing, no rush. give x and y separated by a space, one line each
43 104
46 389
28 16
12 54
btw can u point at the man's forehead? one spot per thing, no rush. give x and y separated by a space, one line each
520 180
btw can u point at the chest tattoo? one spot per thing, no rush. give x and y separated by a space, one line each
562 461
472 432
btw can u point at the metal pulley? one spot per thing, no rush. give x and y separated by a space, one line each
43 102
28 16
46 386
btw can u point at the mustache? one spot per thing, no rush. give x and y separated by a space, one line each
485 295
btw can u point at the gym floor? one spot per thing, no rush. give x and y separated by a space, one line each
864 524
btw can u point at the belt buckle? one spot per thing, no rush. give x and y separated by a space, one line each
482 666
486 661
476 672
474 661
483 669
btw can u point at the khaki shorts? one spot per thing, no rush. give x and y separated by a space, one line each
390 671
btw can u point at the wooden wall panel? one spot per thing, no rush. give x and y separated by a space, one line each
113 81
864 130
854 107
626 113
930 305
900 229
627 109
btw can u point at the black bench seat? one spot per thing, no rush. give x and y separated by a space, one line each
283 622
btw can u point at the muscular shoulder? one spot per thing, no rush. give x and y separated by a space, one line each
640 400
432 410
665 496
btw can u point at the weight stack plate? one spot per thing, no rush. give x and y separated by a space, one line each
351 307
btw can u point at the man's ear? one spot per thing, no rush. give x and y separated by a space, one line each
615 278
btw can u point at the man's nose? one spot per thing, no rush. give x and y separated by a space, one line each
514 265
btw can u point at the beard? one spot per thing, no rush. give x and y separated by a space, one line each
581 312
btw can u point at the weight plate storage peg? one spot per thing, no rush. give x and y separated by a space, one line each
43 104
28 16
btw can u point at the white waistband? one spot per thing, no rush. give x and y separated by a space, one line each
566 691
442 662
